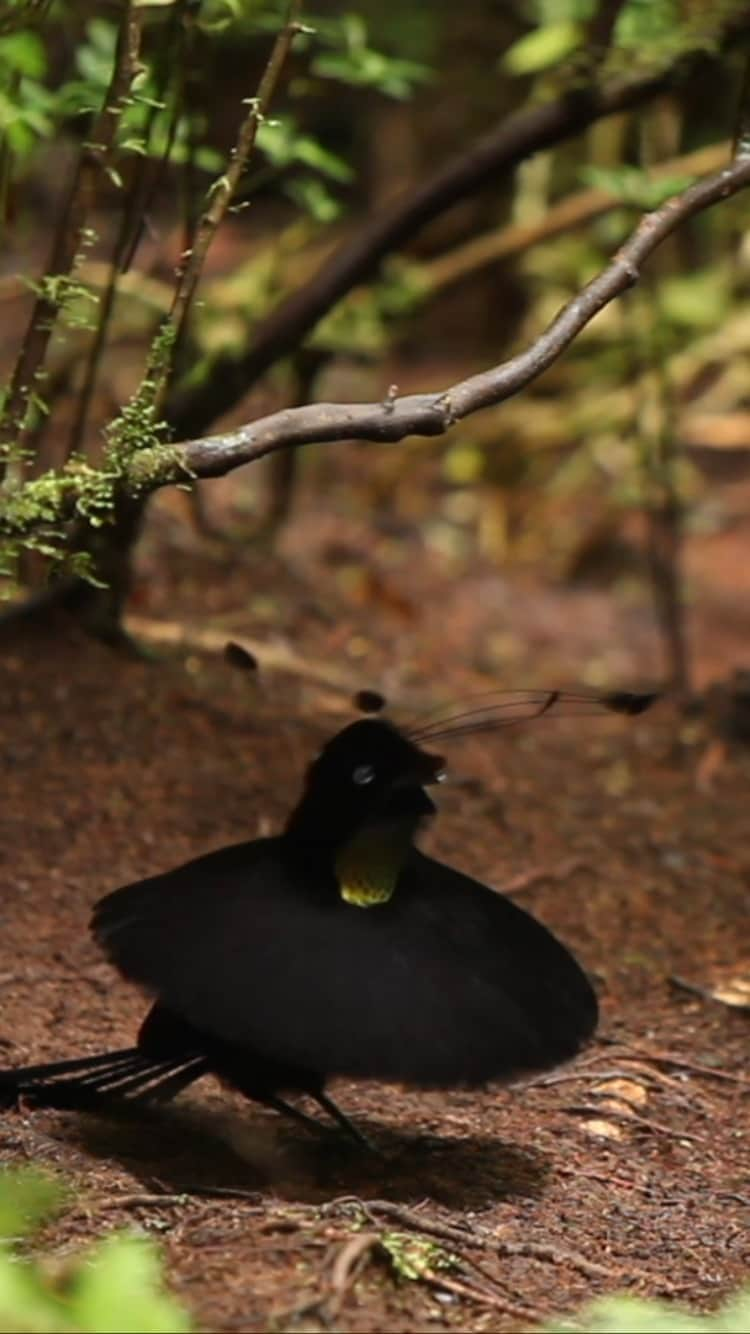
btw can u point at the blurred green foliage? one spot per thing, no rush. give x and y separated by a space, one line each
649 33
636 1315
116 1287
36 104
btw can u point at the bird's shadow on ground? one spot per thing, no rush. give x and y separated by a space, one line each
178 1150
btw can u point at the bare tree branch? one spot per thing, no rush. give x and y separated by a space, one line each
433 413
497 153
49 500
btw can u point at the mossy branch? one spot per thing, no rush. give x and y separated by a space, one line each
138 460
39 513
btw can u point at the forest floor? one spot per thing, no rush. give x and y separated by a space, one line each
626 1171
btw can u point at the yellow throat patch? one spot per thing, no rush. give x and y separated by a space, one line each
368 866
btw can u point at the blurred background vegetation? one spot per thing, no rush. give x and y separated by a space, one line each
595 472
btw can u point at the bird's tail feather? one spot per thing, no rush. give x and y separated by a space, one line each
113 1079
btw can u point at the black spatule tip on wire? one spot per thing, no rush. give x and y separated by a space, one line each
336 947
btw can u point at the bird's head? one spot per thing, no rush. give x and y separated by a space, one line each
368 774
364 796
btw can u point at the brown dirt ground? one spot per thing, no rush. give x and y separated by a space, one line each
628 1170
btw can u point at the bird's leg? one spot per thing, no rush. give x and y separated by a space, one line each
294 1113
343 1121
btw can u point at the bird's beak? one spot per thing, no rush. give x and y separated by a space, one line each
431 769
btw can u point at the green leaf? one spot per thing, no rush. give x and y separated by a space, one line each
696 301
120 1292
312 196
355 31
633 1315
25 1306
102 35
643 22
94 58
412 1256
313 154
117 1288
364 68
542 49
555 11
634 186
23 52
27 1198
283 145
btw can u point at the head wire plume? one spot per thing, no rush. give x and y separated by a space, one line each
517 706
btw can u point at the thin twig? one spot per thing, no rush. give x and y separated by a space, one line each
140 188
601 26
347 1267
94 157
417 1222
547 1251
634 1072
224 188
568 1076
673 1058
627 1115
605 1179
135 1201
190 1189
518 884
277 656
483 1298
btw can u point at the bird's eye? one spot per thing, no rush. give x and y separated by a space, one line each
441 776
364 773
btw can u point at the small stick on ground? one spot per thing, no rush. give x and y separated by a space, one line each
605 1180
632 1118
568 1076
518 884
348 1264
673 1058
216 1193
135 1201
527 1314
544 1250
276 656
548 1251
416 1222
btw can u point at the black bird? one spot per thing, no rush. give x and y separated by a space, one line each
333 948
